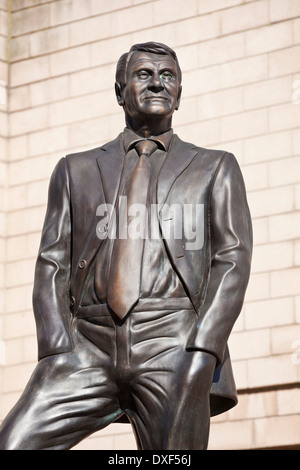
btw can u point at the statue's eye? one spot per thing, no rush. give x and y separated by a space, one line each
167 76
143 75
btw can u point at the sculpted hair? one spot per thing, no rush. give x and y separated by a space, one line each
151 47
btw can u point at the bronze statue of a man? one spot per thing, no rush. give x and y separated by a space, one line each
142 270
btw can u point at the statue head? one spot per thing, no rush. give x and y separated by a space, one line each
148 83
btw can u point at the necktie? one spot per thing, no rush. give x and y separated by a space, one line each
126 262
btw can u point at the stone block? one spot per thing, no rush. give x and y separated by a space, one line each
268 147
197 29
268 313
28 71
50 140
285 226
249 344
99 7
19 48
296 142
18 148
245 17
93 80
94 132
258 287
110 49
245 124
25 221
254 405
49 40
3 22
19 324
260 230
233 435
284 61
168 10
220 103
256 176
68 11
269 38
16 198
284 172
188 57
272 371
267 93
47 91
284 116
221 50
273 256
197 82
23 246
285 282
296 27
19 98
214 5
297 197
204 133
162 33
20 273
26 171
283 10
31 19
89 30
95 443
271 201
124 21
3 124
277 431
244 71
82 108
284 339
288 401
69 60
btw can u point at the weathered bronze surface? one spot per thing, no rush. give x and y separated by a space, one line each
135 326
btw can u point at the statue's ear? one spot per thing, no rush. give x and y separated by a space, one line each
119 94
178 98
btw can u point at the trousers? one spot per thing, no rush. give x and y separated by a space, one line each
137 367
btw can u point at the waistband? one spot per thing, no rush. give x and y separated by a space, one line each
177 303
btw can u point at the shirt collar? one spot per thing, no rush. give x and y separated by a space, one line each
131 138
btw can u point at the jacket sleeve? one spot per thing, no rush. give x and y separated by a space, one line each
51 302
230 260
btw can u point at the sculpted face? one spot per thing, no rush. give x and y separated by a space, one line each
152 86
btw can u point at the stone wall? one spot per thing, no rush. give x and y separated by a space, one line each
4 32
241 76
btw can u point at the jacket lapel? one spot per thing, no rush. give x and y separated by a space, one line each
110 163
179 157
104 190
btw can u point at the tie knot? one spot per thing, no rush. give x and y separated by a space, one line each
146 147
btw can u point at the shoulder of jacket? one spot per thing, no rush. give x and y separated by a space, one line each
85 154
91 154
203 152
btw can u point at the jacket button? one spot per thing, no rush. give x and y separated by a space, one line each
82 264
72 301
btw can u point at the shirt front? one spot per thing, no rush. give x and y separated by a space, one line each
158 278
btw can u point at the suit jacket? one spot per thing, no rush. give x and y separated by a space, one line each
215 275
